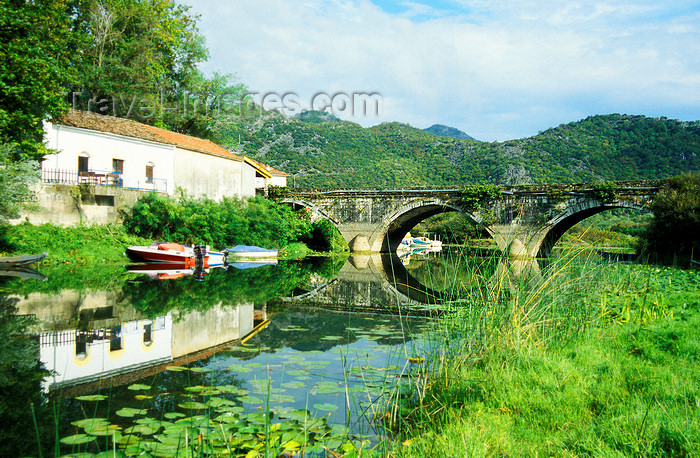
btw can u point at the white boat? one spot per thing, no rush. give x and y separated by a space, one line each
420 242
248 251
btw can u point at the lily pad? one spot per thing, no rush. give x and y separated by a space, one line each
326 407
139 387
200 369
193 405
250 400
177 368
90 422
130 412
77 439
144 430
91 397
102 430
299 414
296 373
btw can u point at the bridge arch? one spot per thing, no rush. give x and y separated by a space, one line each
525 221
396 224
298 204
574 214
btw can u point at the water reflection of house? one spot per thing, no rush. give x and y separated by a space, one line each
83 339
115 160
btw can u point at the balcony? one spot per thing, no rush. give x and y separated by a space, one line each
103 178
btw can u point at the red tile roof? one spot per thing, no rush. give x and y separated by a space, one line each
133 129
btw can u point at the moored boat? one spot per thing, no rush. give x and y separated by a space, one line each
248 251
24 260
420 242
175 253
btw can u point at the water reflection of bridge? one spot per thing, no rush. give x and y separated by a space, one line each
379 282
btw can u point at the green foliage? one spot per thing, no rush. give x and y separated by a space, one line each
230 287
675 229
316 116
75 245
36 61
325 237
605 191
257 221
344 154
15 178
475 197
138 47
21 375
623 380
277 192
139 59
453 227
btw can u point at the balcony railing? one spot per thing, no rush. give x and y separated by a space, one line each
103 178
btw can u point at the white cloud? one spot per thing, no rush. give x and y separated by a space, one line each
497 69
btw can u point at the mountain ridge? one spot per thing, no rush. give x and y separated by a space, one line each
442 130
345 154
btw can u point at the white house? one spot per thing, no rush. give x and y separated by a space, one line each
104 150
119 158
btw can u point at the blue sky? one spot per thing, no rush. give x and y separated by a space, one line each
496 69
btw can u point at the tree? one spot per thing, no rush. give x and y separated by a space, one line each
675 229
37 60
137 48
15 177
140 61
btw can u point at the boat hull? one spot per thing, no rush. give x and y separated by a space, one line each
24 260
246 251
148 254
186 256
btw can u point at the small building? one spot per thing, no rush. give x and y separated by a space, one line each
110 151
114 160
266 176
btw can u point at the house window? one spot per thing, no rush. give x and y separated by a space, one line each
83 163
81 343
147 334
115 339
118 165
149 173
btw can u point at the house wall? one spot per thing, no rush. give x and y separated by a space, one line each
278 180
102 147
71 205
248 180
221 323
67 205
206 175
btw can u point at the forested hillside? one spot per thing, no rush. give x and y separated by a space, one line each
337 153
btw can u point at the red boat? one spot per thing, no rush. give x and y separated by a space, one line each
176 254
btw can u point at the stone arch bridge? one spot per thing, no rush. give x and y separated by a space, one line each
523 220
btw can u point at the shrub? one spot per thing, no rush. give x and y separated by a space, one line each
675 229
256 221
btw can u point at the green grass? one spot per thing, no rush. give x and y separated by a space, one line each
79 245
99 243
622 380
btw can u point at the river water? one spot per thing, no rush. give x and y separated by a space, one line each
93 350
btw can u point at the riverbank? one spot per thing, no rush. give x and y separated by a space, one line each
621 377
99 243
